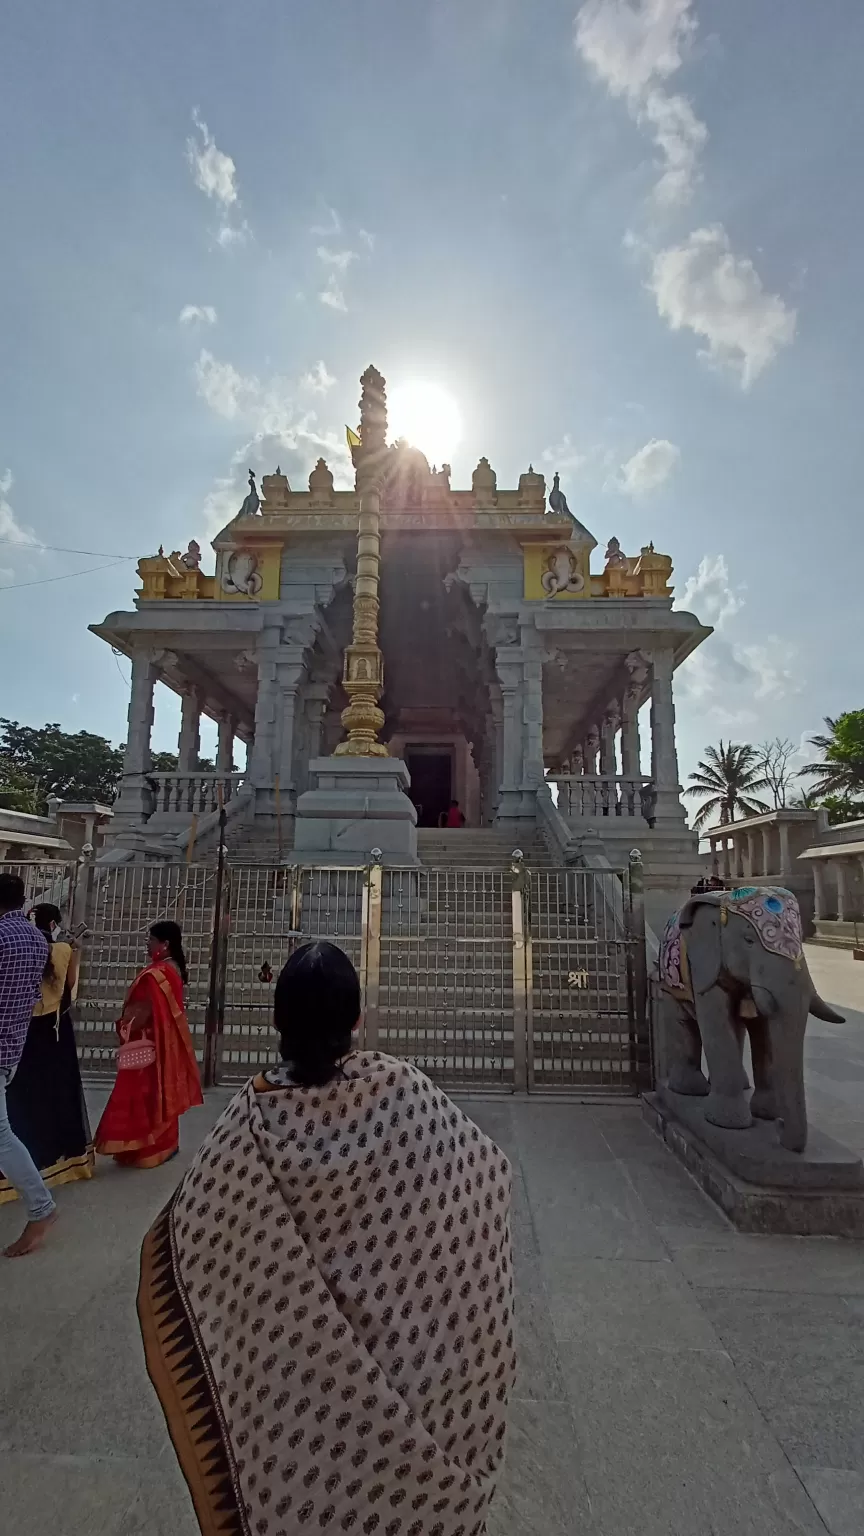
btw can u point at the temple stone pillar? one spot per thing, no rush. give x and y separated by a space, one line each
509 669
590 748
225 745
785 855
664 754
842 873
289 675
820 893
608 730
631 751
135 801
727 860
749 857
189 739
532 714
766 851
262 762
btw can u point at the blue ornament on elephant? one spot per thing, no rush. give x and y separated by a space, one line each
734 962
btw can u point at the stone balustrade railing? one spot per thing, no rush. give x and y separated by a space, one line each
592 795
191 794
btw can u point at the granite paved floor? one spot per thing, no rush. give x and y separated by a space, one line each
676 1378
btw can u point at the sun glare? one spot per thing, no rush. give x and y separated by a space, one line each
428 417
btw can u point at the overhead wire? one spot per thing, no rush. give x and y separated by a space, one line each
44 581
36 546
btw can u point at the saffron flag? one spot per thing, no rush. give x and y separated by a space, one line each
353 438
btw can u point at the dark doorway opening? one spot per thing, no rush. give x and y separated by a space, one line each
431 784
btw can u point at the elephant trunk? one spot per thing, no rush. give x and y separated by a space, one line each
786 1033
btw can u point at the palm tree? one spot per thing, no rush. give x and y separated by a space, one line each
841 771
725 781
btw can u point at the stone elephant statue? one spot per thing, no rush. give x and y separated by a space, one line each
734 961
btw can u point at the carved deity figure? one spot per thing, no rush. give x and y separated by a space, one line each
241 573
562 573
616 560
192 557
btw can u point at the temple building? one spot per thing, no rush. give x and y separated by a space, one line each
470 635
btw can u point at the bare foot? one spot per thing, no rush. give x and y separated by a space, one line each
31 1238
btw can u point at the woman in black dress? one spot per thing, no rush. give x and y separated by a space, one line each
45 1098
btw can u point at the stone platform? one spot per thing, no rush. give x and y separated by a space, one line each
760 1185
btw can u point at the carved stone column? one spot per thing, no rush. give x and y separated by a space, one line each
631 750
135 801
261 758
664 754
785 855
748 858
289 675
189 740
225 747
608 731
766 852
590 748
842 874
508 664
532 714
820 893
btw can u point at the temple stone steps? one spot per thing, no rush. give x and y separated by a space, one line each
480 847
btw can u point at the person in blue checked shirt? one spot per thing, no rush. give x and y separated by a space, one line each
23 955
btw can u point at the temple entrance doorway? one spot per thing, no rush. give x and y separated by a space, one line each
431 770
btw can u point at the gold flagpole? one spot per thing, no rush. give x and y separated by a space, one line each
363 676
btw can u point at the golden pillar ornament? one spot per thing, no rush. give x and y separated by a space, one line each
363 675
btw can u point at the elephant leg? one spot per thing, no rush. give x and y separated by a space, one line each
686 1075
726 1104
763 1104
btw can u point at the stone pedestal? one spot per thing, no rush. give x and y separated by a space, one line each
356 804
761 1186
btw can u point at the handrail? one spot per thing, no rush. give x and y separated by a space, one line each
605 794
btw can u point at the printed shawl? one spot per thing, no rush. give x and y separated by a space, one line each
327 1311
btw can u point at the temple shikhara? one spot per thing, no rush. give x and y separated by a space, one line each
386 650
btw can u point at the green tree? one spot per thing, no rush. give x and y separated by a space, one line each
38 761
726 780
840 774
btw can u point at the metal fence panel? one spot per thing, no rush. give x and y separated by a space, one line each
445 988
122 902
581 1032
269 912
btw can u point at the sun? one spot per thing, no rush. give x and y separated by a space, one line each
428 416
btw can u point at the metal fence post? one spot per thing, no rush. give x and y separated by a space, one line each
520 973
218 953
371 951
637 968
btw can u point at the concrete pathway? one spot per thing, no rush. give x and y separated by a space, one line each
835 1052
676 1379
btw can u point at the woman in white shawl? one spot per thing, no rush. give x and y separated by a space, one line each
327 1301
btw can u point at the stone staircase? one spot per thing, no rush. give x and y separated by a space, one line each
478 847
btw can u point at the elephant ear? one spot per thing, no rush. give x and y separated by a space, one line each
704 959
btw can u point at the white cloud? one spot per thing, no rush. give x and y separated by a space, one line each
333 225
318 380
233 234
367 238
564 456
192 312
711 593
648 468
724 677
341 260
703 286
11 531
276 431
333 296
213 172
633 47
227 392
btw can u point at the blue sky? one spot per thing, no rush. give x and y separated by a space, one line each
625 238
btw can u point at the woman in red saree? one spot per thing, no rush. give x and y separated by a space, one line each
140 1127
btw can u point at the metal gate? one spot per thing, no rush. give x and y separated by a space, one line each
496 979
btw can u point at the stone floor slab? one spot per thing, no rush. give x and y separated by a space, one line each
673 1445
838 1496
627 1302
829 1266
543 1492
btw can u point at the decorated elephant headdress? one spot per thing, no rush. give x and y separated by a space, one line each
772 910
